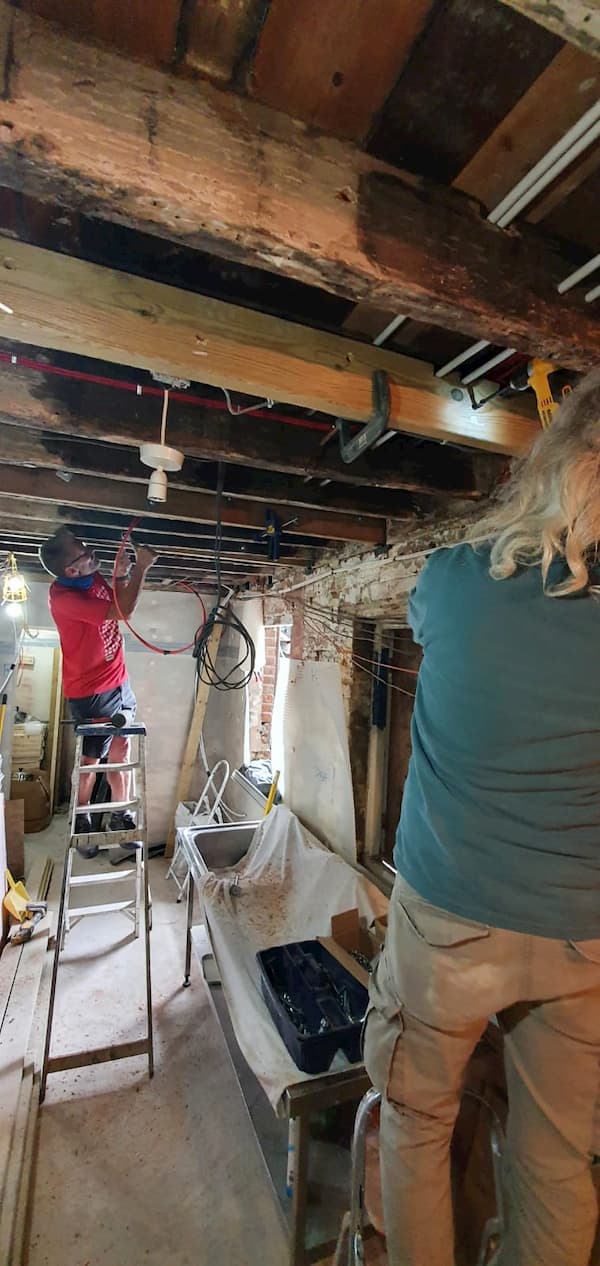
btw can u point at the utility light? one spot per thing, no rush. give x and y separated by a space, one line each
162 459
14 589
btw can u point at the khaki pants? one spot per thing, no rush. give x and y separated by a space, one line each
439 979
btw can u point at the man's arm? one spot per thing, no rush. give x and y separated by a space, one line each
130 586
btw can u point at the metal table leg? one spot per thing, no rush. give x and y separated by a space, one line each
188 940
300 1196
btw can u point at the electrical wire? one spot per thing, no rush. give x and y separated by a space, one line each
241 672
162 650
320 632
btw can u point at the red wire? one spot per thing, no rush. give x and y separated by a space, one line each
150 645
122 384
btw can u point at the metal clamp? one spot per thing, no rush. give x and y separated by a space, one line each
352 446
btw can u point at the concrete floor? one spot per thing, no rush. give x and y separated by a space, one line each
136 1171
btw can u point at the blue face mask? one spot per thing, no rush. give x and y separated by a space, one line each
76 582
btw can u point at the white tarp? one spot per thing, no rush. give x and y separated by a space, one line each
285 889
310 747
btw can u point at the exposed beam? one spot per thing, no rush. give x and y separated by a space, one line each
43 518
77 408
576 21
24 446
74 306
195 507
187 162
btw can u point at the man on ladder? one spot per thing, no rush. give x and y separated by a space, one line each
94 673
85 613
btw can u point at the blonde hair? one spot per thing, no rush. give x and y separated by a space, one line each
550 507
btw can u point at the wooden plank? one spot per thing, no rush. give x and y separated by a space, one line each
578 215
558 197
327 64
557 99
190 754
88 410
140 29
220 34
576 21
76 129
14 822
71 305
195 507
15 1033
54 727
20 446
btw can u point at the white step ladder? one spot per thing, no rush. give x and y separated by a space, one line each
131 906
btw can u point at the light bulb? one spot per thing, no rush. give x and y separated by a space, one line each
13 609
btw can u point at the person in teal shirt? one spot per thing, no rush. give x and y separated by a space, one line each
496 905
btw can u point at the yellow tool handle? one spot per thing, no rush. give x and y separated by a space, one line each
272 794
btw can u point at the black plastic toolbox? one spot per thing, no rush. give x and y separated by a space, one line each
317 1006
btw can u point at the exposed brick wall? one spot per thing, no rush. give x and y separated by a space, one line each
269 680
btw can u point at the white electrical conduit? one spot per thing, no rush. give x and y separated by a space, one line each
574 278
592 294
389 330
571 145
561 155
488 364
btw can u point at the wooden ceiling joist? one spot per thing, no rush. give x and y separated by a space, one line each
83 127
86 410
74 306
195 507
576 21
23 446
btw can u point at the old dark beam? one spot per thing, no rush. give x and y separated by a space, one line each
90 411
23 446
194 507
192 164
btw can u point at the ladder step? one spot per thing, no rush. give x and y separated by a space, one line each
107 806
110 907
106 839
113 877
80 1059
109 768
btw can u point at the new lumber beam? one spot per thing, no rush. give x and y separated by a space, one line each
576 21
195 507
74 306
190 163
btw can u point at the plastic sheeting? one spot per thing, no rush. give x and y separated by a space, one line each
310 747
285 889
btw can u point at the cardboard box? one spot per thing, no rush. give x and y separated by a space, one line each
28 745
15 838
348 933
35 794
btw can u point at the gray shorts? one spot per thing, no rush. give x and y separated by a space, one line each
106 704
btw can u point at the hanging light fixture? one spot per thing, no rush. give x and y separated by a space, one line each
161 458
14 589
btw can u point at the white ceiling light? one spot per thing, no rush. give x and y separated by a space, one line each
162 459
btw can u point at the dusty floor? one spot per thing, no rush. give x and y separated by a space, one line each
136 1171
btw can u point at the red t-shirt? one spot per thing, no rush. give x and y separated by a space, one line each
92 646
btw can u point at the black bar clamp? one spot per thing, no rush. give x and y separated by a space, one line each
353 446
